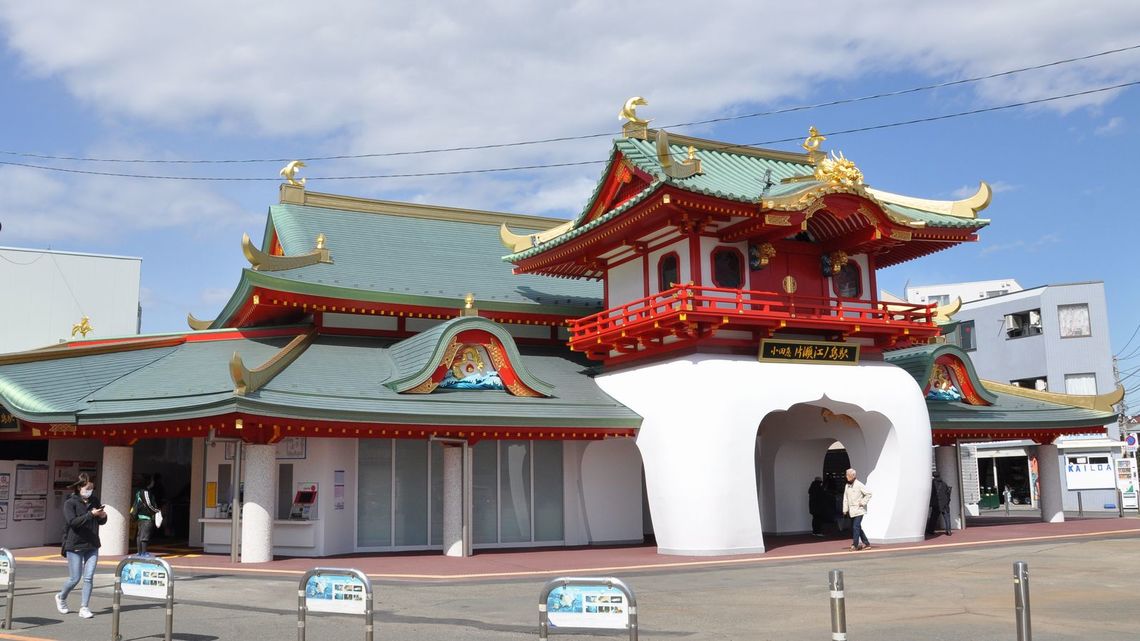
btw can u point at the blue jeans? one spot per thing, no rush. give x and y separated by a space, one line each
857 531
80 565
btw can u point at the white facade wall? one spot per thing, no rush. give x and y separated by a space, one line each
969 291
626 282
53 290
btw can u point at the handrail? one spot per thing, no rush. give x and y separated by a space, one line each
751 303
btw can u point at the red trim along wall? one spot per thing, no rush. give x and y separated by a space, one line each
268 429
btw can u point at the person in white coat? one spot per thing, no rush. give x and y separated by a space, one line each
855 500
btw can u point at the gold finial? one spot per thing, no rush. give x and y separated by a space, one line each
838 170
692 152
289 172
320 241
629 111
635 126
812 142
469 306
83 327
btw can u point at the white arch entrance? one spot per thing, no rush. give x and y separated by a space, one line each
698 442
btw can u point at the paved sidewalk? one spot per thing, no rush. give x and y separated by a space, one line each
508 564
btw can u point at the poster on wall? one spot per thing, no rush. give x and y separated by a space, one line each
31 480
29 509
971 483
3 515
8 423
1089 472
291 447
5 486
67 471
338 490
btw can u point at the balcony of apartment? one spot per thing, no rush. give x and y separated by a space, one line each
688 313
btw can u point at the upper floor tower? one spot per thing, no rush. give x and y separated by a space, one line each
708 245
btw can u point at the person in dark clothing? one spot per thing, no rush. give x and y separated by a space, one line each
82 516
144 509
940 500
821 504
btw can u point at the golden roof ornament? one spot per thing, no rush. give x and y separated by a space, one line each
469 306
83 327
289 172
321 241
838 170
635 126
812 142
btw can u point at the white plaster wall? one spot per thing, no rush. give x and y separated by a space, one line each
197 481
699 455
338 526
114 488
626 283
681 247
574 531
611 491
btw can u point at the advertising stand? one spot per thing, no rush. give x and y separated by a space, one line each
335 590
7 584
584 604
144 578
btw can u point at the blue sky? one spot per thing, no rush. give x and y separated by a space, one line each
218 81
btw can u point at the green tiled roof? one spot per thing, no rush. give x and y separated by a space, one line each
413 260
1005 410
727 174
336 378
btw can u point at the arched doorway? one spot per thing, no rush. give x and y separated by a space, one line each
821 438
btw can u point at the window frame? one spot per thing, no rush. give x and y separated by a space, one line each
858 281
661 284
739 261
1088 317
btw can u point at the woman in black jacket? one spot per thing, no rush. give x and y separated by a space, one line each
82 516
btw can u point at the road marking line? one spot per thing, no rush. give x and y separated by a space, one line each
18 637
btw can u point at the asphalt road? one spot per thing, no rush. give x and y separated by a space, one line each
1080 589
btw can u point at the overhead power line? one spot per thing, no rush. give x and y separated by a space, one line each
1134 332
489 170
540 141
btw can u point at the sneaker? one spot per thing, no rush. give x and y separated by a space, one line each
85 613
61 605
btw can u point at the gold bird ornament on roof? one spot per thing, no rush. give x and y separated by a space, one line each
629 111
289 172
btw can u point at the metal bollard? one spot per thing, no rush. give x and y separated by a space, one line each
1120 503
838 606
8 579
1080 504
1021 601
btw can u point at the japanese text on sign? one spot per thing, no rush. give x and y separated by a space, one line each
809 352
336 593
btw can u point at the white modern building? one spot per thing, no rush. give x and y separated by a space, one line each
1051 338
56 290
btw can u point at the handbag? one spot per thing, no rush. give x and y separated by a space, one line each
63 541
157 519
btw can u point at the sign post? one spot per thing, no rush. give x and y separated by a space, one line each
145 578
582 604
336 590
7 580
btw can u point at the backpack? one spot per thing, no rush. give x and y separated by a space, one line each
139 507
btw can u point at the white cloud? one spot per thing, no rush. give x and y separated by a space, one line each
1022 245
388 76
1114 125
41 207
997 186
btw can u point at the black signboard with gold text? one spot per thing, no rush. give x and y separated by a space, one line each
8 423
788 351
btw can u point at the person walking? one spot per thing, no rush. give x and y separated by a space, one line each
145 510
855 499
940 500
820 504
82 516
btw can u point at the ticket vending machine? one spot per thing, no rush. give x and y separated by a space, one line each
303 502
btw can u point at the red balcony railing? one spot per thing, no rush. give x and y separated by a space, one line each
686 307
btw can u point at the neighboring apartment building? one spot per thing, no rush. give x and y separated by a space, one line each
1049 338
47 294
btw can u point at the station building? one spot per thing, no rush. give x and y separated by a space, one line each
677 361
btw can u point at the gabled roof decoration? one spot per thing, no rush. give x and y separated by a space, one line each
418 360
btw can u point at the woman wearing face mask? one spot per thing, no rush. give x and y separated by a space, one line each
82 514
